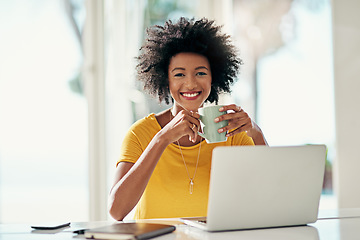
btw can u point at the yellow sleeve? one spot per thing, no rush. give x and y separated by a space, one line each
137 139
130 149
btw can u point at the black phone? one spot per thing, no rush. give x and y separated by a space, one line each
50 226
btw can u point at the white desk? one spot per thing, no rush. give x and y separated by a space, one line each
346 227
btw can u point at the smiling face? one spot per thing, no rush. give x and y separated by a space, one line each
189 80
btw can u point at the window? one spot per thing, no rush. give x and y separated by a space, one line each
43 123
287 50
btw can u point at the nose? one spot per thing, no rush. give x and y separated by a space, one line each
190 82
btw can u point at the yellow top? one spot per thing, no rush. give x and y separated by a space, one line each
167 194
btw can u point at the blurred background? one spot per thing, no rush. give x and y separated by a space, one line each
68 92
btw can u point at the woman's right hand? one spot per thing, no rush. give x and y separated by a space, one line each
185 123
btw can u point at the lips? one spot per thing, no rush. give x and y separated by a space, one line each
190 95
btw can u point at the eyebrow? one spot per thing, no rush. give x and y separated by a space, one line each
180 68
201 67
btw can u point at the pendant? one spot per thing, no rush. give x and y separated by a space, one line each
191 186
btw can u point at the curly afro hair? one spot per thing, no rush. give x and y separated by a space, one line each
201 37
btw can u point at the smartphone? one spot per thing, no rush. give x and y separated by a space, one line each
50 226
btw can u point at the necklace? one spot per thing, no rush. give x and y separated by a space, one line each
191 183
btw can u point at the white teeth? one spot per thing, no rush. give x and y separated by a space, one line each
190 94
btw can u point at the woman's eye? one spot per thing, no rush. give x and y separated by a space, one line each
201 73
179 75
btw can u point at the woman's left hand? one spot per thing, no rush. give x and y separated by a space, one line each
240 121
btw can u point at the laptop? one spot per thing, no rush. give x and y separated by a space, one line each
263 187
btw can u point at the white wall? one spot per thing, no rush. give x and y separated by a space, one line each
346 32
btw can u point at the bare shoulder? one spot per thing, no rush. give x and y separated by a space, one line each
163 117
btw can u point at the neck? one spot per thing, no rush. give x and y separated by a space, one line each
176 108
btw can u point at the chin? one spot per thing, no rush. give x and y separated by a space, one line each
194 107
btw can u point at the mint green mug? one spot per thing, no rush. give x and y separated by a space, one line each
209 126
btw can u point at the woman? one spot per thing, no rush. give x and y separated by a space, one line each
164 167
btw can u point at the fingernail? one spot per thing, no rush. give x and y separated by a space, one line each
220 130
221 109
216 119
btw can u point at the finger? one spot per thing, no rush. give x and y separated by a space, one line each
195 115
227 116
234 132
194 119
232 107
232 112
193 134
193 123
189 116
233 116
245 124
